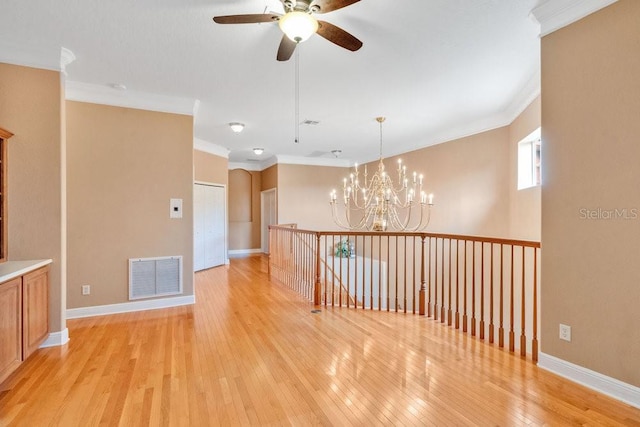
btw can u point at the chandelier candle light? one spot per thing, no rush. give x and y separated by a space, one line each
377 203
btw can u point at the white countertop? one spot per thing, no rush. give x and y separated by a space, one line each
12 269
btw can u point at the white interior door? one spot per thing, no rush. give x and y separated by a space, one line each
269 215
210 242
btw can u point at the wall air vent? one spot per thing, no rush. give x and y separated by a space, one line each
154 277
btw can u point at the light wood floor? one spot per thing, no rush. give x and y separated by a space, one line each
252 352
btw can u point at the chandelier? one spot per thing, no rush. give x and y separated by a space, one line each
377 203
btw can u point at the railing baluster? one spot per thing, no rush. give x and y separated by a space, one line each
413 281
534 340
473 290
457 324
318 289
396 265
501 329
405 273
464 316
380 274
355 274
512 335
435 284
449 312
371 273
491 325
482 290
388 275
523 338
442 303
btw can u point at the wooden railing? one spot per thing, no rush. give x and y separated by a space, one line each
481 286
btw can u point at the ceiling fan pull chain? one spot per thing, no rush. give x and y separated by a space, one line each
297 96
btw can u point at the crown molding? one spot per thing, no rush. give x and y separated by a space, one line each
313 161
555 14
529 92
43 57
290 160
105 95
254 167
210 147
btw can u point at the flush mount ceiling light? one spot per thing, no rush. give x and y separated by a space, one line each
258 151
236 127
298 26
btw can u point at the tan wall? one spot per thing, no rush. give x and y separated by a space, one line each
303 195
590 128
210 168
244 209
269 178
123 167
469 178
524 206
31 108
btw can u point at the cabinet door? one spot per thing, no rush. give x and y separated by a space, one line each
35 309
10 327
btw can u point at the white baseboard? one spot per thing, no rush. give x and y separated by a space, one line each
56 339
237 252
612 387
126 307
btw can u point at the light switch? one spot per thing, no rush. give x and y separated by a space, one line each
175 207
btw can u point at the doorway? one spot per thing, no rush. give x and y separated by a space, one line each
210 226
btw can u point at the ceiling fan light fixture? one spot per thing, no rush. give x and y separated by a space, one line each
298 26
236 127
258 151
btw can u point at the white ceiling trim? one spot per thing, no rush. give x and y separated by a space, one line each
43 57
522 100
255 167
290 160
313 161
555 14
210 147
99 94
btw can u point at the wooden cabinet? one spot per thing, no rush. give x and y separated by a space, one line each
10 326
35 310
24 318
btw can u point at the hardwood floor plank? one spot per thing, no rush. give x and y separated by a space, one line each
251 352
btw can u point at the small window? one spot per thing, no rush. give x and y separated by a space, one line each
529 161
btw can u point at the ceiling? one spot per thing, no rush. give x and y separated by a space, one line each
437 69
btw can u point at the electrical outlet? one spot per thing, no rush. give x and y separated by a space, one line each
565 332
86 289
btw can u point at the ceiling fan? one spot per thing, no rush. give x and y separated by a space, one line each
298 24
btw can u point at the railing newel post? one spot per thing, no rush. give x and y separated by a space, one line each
422 293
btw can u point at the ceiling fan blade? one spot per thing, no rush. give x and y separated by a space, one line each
246 19
338 36
287 46
329 5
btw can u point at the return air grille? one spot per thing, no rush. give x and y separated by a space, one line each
154 277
